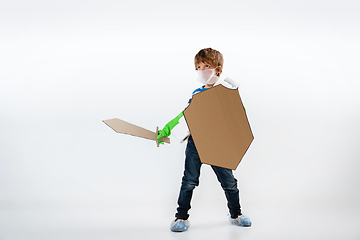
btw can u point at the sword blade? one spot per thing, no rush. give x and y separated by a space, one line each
121 126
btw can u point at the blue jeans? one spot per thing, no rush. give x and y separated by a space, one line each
191 179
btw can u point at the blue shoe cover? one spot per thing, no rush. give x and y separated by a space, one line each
242 220
179 225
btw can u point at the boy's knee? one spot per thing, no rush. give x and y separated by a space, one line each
230 186
189 184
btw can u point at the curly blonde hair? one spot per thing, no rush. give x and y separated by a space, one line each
210 56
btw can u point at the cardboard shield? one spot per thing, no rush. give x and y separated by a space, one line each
219 126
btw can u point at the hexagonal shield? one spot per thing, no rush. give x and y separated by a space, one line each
219 126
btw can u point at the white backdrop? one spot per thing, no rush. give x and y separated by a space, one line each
66 66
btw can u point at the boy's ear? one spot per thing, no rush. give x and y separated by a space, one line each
218 70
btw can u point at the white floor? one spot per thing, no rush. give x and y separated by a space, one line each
111 222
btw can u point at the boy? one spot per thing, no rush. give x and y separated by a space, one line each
208 64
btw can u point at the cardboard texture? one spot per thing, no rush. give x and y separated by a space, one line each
219 126
121 126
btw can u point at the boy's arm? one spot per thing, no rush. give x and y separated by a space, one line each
166 131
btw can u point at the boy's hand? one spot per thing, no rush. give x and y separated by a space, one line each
166 131
161 133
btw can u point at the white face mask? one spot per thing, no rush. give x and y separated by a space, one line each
207 76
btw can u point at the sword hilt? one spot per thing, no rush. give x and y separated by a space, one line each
157 132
